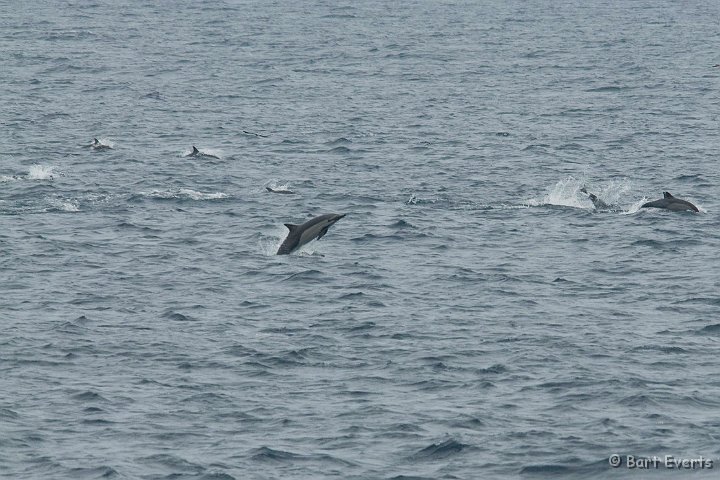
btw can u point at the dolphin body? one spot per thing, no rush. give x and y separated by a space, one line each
197 153
97 145
299 235
668 202
277 190
597 203
254 134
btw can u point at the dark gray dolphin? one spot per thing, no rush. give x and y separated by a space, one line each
254 134
599 204
299 235
97 145
274 190
668 202
197 153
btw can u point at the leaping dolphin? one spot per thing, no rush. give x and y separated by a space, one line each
299 235
669 202
599 204
197 153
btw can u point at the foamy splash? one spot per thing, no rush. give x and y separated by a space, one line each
41 172
104 142
270 245
567 193
184 193
65 205
563 193
278 186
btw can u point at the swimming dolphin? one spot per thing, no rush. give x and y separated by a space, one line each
97 145
599 204
299 235
197 153
669 202
278 190
254 134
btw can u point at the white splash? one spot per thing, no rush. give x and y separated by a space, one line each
195 195
612 192
564 193
65 205
278 186
41 172
213 151
567 193
106 142
184 193
270 245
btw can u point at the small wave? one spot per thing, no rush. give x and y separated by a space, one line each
402 224
495 369
305 276
178 317
338 16
660 348
638 401
339 141
441 450
268 454
89 396
94 472
649 242
534 146
341 150
7 413
713 329
172 461
545 469
410 477
607 88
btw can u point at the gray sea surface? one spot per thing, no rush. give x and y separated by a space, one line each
471 317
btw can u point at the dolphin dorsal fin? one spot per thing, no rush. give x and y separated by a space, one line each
195 150
291 226
667 195
95 140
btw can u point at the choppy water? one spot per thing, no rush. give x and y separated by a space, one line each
471 317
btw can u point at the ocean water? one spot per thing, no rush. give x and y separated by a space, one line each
471 317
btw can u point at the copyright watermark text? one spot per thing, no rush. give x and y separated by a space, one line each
668 462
